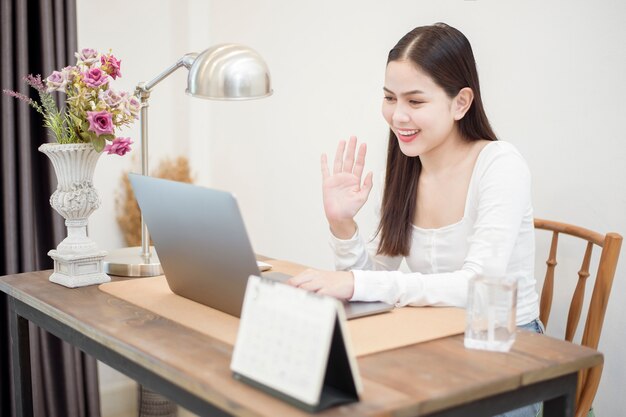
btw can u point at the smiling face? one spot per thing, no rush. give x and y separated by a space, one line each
419 112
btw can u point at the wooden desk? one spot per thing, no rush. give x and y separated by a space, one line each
438 378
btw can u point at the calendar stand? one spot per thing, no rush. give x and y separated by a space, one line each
329 376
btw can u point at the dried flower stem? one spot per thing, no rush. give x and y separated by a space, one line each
26 99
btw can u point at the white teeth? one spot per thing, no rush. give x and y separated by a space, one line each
408 132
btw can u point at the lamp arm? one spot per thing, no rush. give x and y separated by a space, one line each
143 91
185 61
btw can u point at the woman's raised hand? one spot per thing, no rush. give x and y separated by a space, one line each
343 192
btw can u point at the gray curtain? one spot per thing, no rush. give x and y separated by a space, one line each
36 36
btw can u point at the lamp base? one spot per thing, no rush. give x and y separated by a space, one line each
128 262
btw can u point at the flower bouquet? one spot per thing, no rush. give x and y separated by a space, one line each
93 109
83 128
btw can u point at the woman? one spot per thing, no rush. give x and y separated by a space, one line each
450 187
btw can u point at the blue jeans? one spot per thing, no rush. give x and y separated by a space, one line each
531 410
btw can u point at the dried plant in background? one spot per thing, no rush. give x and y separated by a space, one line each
129 217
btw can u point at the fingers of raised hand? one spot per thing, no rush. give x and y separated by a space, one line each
367 183
338 163
345 157
360 161
348 162
365 189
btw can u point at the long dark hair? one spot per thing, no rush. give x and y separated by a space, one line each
445 54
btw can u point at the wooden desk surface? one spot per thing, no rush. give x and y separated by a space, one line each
416 380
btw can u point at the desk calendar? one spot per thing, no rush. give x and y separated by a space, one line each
294 345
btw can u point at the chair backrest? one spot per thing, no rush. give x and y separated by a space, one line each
610 245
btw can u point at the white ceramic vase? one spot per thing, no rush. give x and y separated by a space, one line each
77 259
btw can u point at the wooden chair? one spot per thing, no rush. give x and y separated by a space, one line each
610 244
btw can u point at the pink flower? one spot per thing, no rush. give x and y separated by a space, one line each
69 72
111 65
87 56
119 146
56 81
111 98
100 122
134 106
95 77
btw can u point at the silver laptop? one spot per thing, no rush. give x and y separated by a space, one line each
203 246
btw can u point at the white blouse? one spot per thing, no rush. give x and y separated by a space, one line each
443 260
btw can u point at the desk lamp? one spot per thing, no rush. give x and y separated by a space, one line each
222 72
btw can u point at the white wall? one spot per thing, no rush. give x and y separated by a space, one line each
552 76
148 36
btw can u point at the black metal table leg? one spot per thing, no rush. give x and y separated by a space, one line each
18 332
563 405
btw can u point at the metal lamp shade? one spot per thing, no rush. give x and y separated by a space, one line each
229 72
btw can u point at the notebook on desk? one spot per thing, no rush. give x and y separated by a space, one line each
203 245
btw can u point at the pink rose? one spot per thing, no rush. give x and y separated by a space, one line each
56 81
87 56
100 122
95 77
111 65
111 98
119 146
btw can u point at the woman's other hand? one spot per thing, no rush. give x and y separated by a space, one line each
343 192
338 284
